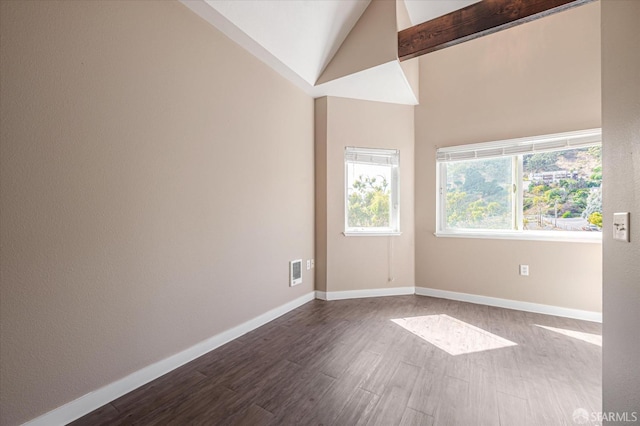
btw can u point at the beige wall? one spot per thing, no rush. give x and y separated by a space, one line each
359 263
320 167
156 179
371 42
621 166
539 78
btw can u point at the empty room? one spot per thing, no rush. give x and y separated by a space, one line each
319 212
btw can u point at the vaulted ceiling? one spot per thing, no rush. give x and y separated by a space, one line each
349 48
300 38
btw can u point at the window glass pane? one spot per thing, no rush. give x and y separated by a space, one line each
368 195
479 194
562 190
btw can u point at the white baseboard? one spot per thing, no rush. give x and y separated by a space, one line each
322 295
96 399
511 304
359 294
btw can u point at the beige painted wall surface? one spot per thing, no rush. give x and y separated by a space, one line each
621 134
538 78
371 42
156 179
358 263
320 113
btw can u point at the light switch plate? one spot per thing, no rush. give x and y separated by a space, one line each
621 226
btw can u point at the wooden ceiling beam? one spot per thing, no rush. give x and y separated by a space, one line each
473 21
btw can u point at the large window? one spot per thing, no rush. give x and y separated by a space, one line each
372 205
547 187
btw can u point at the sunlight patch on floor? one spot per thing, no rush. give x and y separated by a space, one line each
594 339
452 335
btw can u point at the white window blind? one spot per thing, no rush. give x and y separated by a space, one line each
385 157
511 147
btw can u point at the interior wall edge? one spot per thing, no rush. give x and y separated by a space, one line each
361 294
93 400
518 305
96 399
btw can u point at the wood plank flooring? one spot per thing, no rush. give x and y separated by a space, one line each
346 363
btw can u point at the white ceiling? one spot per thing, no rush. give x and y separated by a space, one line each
298 38
425 10
304 35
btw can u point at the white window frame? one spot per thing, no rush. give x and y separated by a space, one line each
380 157
514 148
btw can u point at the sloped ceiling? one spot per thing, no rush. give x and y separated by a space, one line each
301 38
425 10
304 35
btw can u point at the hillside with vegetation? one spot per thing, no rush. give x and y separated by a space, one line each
561 191
563 185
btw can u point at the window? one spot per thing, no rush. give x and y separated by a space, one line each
546 187
372 205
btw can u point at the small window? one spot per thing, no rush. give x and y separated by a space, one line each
547 187
372 202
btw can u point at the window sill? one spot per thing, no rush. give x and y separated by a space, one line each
559 236
371 234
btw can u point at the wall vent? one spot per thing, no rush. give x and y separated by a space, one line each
295 272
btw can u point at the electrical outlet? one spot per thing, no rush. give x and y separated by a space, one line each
524 270
308 265
313 263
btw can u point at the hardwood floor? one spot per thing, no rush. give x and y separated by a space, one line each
346 363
